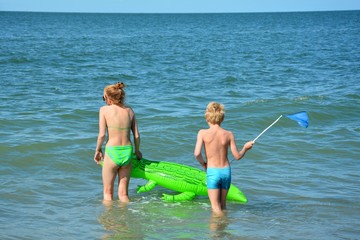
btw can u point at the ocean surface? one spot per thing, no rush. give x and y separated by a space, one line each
301 183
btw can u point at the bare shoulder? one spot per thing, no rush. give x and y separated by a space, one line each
228 133
202 132
130 111
104 109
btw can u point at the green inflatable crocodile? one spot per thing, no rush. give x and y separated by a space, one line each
187 180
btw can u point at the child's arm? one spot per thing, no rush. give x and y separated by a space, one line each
136 134
197 151
236 153
247 146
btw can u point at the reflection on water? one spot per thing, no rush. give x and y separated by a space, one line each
120 222
218 225
150 218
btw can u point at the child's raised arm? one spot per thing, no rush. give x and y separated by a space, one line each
234 150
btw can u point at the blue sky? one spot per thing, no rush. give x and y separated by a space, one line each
177 6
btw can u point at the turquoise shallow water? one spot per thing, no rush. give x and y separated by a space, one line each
300 183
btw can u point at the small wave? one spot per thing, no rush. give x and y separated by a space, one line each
230 80
17 60
117 77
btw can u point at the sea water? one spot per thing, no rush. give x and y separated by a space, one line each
301 183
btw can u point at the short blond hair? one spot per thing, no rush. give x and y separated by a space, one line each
116 93
215 113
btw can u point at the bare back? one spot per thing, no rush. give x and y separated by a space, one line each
216 143
118 121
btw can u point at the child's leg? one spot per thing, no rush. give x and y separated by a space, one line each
108 177
124 179
214 196
223 195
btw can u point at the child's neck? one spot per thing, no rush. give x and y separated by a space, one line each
214 125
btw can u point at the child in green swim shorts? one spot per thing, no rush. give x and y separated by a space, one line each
117 120
216 142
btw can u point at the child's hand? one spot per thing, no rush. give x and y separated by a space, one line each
249 145
204 166
98 157
138 155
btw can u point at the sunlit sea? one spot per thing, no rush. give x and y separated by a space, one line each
301 183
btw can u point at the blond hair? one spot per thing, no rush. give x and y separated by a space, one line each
215 113
116 93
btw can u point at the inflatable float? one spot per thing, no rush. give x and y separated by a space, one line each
186 180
